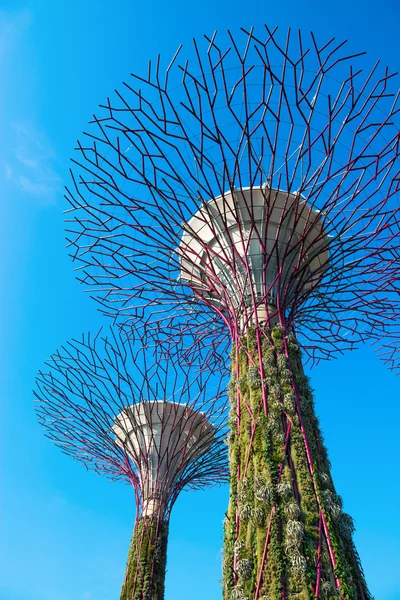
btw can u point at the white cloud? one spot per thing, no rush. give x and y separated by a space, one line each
57 502
29 162
8 171
12 26
32 163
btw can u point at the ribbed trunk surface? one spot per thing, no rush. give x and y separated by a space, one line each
145 569
286 535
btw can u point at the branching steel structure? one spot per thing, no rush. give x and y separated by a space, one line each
255 185
132 415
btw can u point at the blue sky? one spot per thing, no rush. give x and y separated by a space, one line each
65 532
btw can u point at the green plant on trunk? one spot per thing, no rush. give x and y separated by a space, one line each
145 569
286 535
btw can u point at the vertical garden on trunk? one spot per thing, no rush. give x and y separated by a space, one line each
286 535
145 569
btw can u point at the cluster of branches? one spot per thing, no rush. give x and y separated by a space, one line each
102 397
294 114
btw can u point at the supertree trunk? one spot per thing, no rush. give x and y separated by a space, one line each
145 569
286 535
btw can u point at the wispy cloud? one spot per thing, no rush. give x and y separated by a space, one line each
29 161
31 165
8 172
12 25
57 502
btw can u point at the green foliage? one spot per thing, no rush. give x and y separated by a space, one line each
274 490
145 569
253 377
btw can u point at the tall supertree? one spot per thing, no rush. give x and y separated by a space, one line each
253 186
130 414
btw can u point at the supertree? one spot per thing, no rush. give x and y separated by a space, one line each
128 413
253 185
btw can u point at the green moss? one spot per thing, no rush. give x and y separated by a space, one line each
145 569
272 483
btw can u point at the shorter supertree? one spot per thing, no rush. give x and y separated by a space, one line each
139 416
